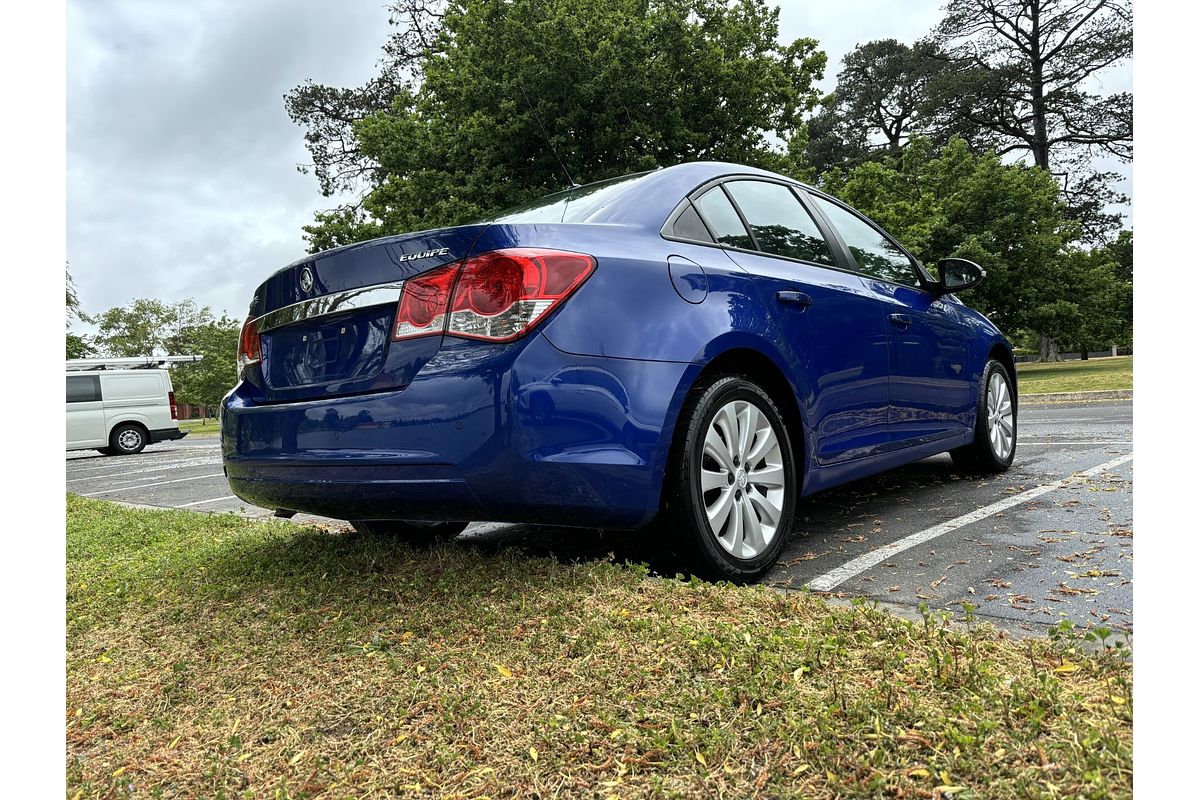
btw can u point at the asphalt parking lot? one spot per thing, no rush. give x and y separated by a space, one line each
1049 540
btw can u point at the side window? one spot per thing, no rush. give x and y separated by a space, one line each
83 388
723 220
688 226
875 254
780 224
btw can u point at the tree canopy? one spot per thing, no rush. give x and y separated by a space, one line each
1021 81
488 103
78 345
205 382
144 326
881 100
1012 220
147 327
483 104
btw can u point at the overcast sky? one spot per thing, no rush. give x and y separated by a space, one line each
181 161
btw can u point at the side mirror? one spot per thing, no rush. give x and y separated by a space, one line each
958 275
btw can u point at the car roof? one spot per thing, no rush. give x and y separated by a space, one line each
651 199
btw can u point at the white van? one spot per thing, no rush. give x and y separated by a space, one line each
119 411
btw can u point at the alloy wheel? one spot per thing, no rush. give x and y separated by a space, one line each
742 479
1001 432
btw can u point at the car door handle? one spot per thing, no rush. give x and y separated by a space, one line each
797 298
900 320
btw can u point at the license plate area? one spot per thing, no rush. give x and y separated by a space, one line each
334 349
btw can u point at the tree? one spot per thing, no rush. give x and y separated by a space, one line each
881 100
1019 83
143 327
205 382
481 104
1120 253
1009 218
78 345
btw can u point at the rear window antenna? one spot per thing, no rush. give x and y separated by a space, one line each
546 136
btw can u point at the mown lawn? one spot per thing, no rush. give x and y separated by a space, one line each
200 427
1095 374
212 656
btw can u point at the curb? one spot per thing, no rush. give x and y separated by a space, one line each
1077 397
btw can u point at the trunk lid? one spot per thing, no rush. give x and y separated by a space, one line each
326 320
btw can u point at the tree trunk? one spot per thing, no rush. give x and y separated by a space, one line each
1048 349
1083 354
1040 144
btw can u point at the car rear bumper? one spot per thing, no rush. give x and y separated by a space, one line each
517 432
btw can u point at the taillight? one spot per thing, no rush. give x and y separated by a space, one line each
499 296
174 408
249 346
423 304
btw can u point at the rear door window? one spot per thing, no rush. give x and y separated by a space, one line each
723 219
83 388
875 254
781 226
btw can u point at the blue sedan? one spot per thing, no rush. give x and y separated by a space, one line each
690 351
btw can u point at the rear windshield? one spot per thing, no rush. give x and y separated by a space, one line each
572 205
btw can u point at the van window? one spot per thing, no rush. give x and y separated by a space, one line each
147 386
83 388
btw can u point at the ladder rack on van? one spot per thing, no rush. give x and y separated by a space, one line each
141 362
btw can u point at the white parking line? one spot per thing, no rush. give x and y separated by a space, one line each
1081 442
149 485
196 462
836 577
213 500
134 461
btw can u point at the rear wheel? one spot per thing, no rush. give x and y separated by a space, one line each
732 488
995 425
414 531
126 440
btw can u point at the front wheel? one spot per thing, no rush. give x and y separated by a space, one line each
732 490
995 425
413 531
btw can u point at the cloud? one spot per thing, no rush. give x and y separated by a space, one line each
181 162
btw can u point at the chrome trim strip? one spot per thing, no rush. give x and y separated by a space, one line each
349 300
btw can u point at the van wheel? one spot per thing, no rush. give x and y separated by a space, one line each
127 440
412 531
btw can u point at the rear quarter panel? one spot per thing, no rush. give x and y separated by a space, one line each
630 308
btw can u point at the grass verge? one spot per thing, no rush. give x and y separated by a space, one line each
1095 374
200 427
212 656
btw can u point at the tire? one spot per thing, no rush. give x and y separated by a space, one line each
414 532
995 442
724 531
127 440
